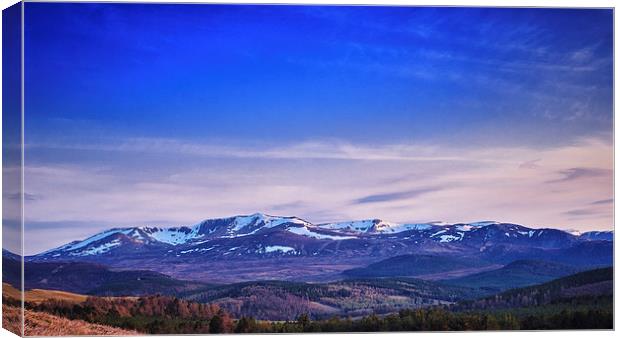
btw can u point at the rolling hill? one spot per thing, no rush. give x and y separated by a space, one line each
416 265
281 300
514 275
588 286
93 279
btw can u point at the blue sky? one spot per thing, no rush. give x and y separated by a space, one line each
168 114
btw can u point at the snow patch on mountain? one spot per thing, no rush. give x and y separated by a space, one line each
373 226
465 227
172 236
439 233
279 248
304 231
267 221
449 238
80 244
483 223
100 249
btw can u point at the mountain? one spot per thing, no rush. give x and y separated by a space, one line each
11 268
597 236
259 246
373 226
415 265
514 275
10 255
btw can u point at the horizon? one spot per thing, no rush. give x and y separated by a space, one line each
160 114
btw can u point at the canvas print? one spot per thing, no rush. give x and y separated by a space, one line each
213 168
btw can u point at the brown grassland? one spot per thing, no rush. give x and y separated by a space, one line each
44 324
38 295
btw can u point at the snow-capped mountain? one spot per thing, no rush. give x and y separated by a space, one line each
261 235
373 226
232 227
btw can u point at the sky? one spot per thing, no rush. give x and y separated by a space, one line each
166 115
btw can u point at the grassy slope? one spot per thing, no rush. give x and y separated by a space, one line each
39 295
44 324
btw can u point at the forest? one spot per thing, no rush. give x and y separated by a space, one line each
159 315
580 301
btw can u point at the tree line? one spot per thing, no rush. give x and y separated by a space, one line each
161 314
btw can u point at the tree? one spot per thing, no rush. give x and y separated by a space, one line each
303 320
215 324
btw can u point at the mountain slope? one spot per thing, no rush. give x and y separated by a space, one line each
516 274
587 284
597 236
414 265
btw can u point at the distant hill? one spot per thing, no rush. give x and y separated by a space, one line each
414 265
93 279
514 275
589 285
281 300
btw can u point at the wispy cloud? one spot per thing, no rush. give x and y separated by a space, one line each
606 201
532 164
289 206
580 212
580 173
18 196
335 150
395 196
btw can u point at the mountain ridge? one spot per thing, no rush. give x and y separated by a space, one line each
259 246
246 225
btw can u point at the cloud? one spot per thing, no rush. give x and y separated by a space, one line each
327 149
532 164
288 206
582 55
606 201
580 212
27 197
395 196
580 173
